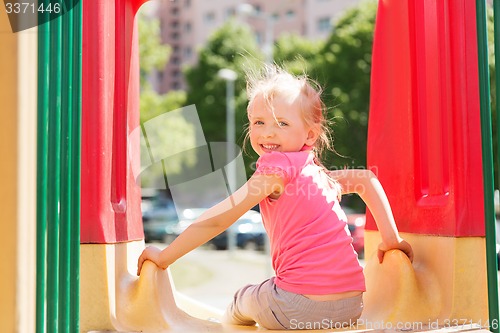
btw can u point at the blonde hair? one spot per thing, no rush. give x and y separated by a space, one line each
273 81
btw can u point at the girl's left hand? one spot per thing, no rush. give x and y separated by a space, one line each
150 253
401 245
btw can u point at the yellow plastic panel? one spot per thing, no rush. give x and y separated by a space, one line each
114 298
445 285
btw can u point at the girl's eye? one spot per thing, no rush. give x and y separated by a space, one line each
282 123
258 122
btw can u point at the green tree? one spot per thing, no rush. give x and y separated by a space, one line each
297 54
153 104
344 69
232 46
153 55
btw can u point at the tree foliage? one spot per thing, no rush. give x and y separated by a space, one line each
153 56
232 46
297 54
341 64
344 69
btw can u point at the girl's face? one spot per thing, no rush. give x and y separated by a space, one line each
284 131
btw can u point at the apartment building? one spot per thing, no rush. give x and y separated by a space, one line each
187 24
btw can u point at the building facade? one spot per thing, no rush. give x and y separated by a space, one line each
187 24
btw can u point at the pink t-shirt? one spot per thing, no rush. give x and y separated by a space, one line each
311 245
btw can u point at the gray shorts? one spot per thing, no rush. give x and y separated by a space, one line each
274 308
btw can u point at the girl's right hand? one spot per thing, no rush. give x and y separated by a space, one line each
401 245
150 253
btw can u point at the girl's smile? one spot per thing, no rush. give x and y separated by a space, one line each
269 147
281 128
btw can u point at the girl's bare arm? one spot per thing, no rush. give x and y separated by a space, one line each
368 187
214 221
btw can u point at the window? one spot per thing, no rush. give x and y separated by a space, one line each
259 37
188 52
209 17
176 60
187 27
162 25
324 24
159 76
230 12
290 14
176 73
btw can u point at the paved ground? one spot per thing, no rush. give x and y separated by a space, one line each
212 277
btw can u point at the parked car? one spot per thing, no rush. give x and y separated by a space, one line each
188 216
356 224
248 230
159 220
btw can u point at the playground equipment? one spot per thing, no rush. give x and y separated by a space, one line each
424 141
425 146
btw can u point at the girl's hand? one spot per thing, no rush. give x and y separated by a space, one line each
401 245
150 253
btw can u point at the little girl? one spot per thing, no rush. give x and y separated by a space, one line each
318 275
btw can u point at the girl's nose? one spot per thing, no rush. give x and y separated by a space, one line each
268 132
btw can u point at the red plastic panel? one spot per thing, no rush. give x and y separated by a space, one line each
110 197
424 139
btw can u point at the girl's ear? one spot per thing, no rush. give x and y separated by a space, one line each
312 136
